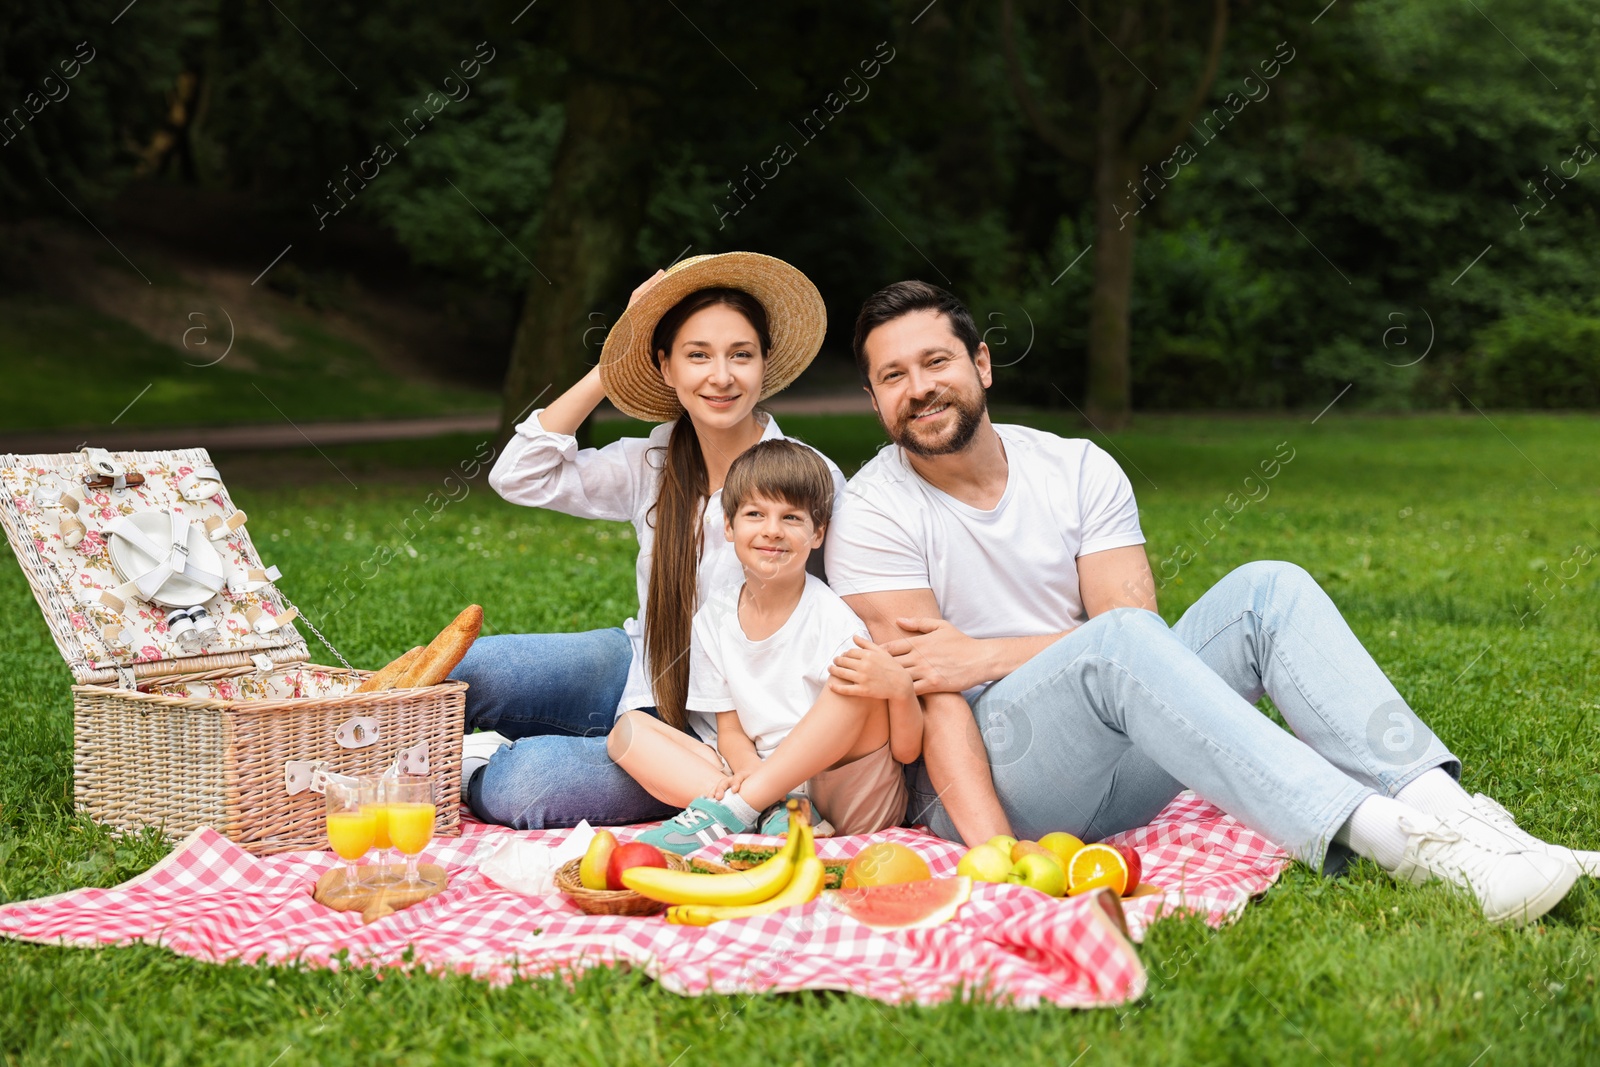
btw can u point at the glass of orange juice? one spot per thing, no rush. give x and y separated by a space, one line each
352 828
411 812
381 873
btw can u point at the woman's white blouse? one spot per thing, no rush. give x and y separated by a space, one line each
619 482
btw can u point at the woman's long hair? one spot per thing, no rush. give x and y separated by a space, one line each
680 502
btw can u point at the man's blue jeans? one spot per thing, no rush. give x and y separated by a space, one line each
1098 732
555 696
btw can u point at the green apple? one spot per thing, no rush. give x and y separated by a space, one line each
1039 872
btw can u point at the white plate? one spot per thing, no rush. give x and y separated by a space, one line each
178 591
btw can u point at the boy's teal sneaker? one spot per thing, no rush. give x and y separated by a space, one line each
775 820
703 822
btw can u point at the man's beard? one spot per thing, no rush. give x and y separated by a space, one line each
969 411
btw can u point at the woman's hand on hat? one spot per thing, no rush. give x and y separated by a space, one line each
645 286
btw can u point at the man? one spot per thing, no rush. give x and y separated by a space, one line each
1005 568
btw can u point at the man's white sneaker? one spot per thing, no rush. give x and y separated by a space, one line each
475 752
1488 810
482 744
1511 887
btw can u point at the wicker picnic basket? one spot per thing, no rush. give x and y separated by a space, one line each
235 731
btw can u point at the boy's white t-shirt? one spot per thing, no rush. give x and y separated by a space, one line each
1007 572
771 683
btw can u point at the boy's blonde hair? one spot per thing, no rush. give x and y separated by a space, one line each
783 470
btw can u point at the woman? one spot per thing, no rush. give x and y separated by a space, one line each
699 345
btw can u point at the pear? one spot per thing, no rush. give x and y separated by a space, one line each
1032 848
592 868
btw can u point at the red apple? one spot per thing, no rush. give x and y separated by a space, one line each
1135 867
633 854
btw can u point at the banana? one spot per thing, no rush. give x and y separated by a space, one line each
736 889
723 890
807 883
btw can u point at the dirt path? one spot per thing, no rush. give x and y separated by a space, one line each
302 435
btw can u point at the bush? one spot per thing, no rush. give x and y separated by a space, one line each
1547 356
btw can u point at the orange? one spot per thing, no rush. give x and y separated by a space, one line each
1110 880
885 863
1063 844
1097 864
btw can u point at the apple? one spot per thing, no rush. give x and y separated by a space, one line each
1040 872
633 854
986 863
592 868
1003 842
1135 867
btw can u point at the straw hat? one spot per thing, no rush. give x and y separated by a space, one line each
795 315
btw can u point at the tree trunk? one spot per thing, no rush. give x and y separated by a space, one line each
592 215
1110 393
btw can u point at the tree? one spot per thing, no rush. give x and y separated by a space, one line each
1126 54
598 190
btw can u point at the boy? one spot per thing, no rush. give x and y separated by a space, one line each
761 655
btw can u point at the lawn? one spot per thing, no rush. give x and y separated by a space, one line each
78 367
1454 546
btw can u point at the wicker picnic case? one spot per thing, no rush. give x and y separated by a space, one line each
237 731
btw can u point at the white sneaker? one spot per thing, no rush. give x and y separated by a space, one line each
475 752
482 744
1487 810
1511 887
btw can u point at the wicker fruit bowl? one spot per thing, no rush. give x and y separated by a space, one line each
624 901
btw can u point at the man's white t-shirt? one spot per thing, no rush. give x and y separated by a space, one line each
1008 572
773 682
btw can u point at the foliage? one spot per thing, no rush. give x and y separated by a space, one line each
1416 171
1542 357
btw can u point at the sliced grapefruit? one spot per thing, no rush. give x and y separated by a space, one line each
885 863
906 906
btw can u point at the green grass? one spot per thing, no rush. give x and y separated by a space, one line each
78 367
1427 531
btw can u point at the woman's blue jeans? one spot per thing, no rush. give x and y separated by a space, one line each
1097 733
555 696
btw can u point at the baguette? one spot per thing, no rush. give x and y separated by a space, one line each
444 651
384 677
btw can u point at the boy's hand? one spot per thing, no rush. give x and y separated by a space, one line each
869 671
729 782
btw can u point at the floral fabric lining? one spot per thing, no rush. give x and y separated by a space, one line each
79 574
283 684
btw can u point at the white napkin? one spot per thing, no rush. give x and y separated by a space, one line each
528 868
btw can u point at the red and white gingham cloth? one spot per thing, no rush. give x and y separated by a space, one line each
212 900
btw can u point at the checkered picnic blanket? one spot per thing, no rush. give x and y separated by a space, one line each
212 900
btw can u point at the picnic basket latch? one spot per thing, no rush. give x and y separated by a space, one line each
301 775
358 732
